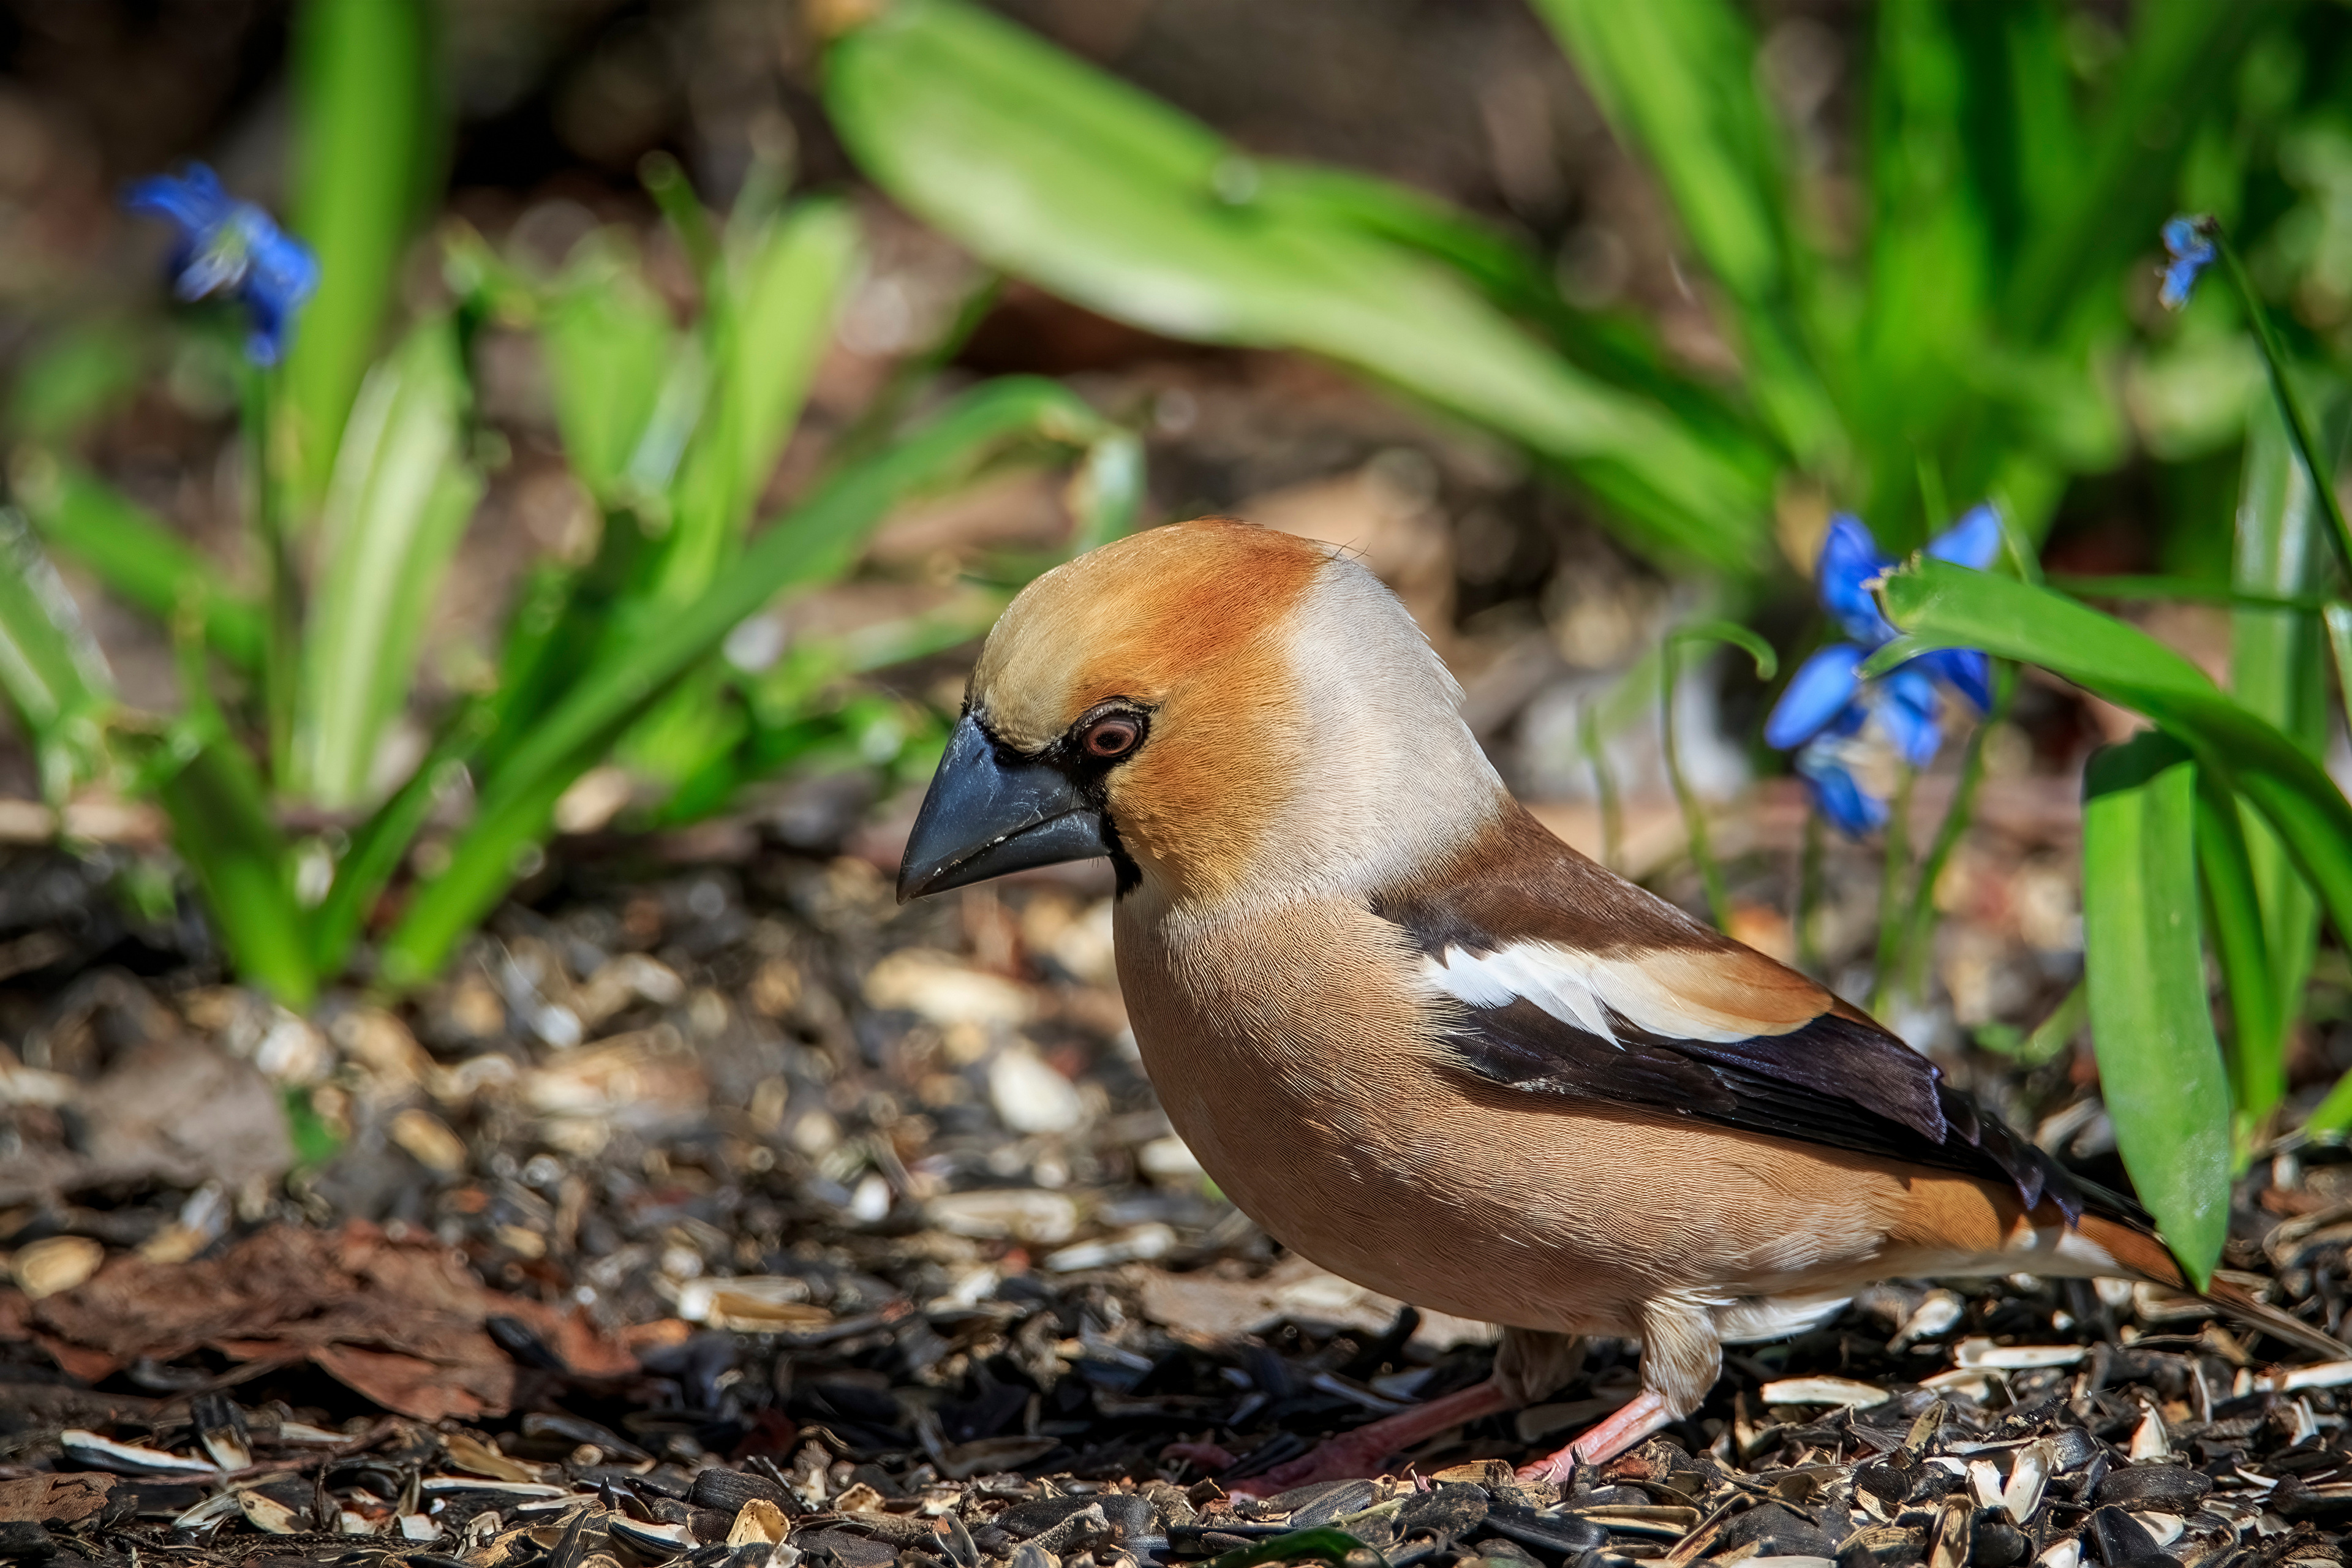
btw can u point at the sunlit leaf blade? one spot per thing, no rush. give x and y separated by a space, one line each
362 100
2242 942
608 343
2277 671
815 541
1678 83
222 829
50 670
1940 605
1677 80
1105 494
139 559
2334 1113
1047 168
1623 348
383 841
781 302
401 494
2181 54
2159 1065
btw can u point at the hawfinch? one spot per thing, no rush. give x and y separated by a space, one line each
1427 1045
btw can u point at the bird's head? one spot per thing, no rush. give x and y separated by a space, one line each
1222 709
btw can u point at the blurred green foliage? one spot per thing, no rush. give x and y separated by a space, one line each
287 796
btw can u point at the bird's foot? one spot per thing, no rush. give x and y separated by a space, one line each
1598 1444
1352 1455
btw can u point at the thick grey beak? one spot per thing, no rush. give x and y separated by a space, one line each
984 817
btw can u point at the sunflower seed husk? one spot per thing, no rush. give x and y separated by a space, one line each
130 1458
1983 1353
56 1264
267 1514
221 1429
651 1543
2027 1477
1840 1390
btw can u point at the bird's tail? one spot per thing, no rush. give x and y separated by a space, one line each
2145 1255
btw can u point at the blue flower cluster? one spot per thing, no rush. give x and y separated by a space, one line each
1848 732
231 249
2189 243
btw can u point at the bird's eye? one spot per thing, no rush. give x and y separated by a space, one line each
1113 735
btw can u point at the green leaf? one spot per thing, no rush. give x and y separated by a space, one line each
222 829
2277 671
1106 495
2242 942
75 374
1942 605
1045 167
1623 349
2160 1065
609 344
2182 54
141 561
50 669
376 850
401 495
1677 80
362 96
814 543
781 305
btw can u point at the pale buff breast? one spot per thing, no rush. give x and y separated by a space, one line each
1302 1079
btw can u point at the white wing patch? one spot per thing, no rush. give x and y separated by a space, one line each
1581 990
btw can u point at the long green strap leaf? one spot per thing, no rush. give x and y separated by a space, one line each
1942 605
2233 908
1677 80
817 541
364 99
402 493
2276 670
778 320
1048 168
609 344
2182 54
222 827
50 670
138 558
2159 1065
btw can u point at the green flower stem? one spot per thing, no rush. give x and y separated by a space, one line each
1892 908
1718 900
1710 875
1920 920
2298 419
1809 898
282 618
1604 786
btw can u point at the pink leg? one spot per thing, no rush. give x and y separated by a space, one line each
1352 1455
1628 1425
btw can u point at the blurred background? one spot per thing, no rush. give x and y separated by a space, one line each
495 986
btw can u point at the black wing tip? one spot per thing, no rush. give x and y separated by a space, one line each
2037 1174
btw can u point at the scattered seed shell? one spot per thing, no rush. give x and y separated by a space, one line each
1840 1390
130 1458
56 1264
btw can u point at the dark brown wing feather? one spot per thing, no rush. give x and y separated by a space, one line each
1816 1072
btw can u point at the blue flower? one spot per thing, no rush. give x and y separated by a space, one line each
2189 242
1848 732
231 249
